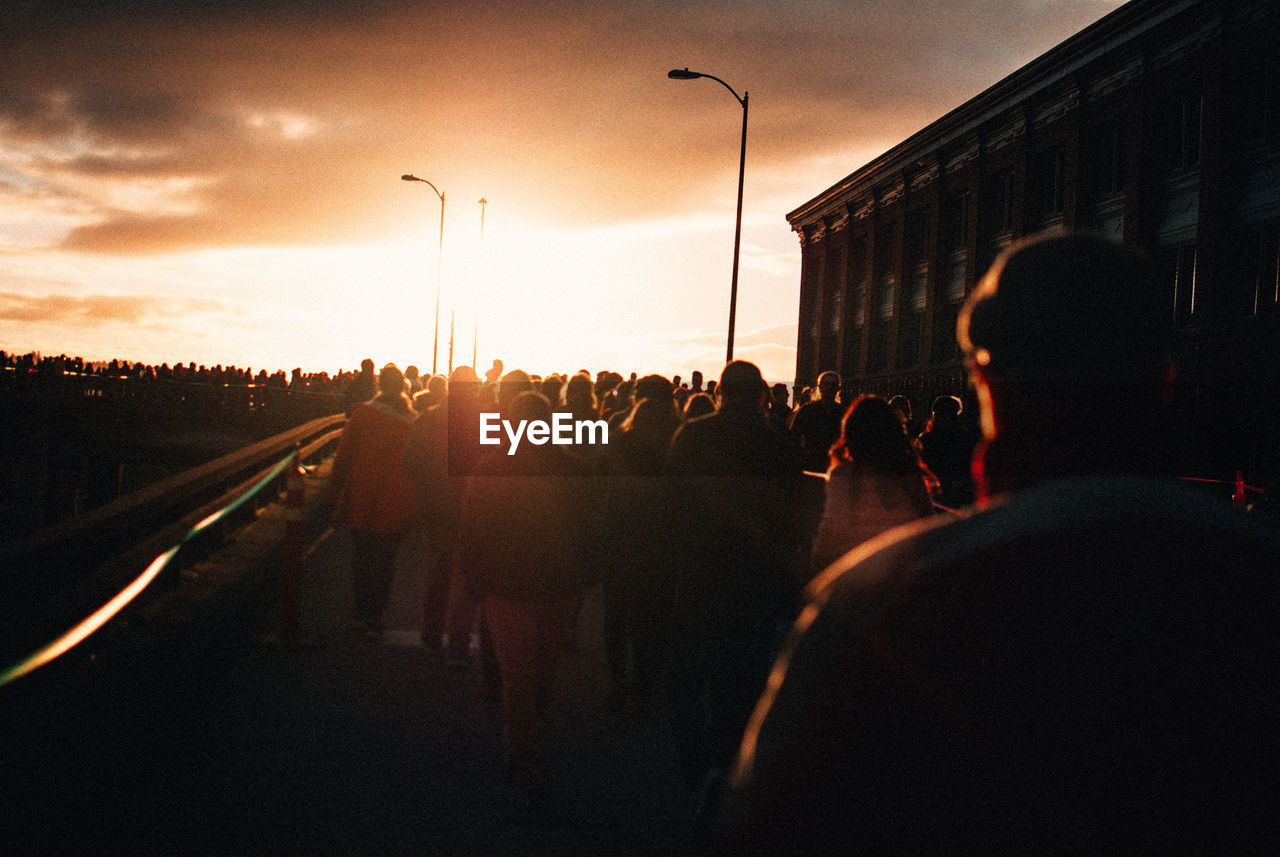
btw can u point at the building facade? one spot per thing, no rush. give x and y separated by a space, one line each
1158 126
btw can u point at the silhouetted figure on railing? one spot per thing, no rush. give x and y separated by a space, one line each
946 447
1085 665
875 483
372 495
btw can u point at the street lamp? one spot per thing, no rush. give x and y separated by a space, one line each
475 338
435 341
685 74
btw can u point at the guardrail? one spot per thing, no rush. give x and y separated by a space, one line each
172 496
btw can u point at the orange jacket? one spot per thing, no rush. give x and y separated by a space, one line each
373 493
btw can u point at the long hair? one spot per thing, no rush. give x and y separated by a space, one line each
871 434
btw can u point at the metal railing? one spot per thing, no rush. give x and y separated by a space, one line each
298 445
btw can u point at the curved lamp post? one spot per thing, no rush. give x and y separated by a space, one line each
435 342
475 339
685 74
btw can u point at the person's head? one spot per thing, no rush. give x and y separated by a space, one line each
391 380
530 405
695 381
392 387
902 405
551 386
742 386
780 394
828 386
513 383
654 416
652 387
366 366
945 410
872 434
1075 314
579 394
698 405
464 375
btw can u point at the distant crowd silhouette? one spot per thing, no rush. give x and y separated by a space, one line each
1026 639
33 368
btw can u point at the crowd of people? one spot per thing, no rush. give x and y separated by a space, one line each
1026 639
42 369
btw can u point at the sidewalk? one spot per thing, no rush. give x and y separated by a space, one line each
230 745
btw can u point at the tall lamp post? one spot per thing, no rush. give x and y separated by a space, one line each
435 341
685 74
475 339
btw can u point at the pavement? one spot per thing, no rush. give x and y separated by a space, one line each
191 728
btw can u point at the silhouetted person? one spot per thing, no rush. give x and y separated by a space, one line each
875 483
779 409
372 494
735 541
902 407
440 453
494 372
1084 665
363 387
946 447
816 426
522 551
635 570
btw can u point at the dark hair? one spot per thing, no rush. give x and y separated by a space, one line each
872 434
392 388
698 405
741 382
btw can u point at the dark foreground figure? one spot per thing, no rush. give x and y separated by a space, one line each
1084 665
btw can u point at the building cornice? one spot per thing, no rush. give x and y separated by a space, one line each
1042 76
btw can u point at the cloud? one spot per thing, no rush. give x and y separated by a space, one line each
100 310
289 122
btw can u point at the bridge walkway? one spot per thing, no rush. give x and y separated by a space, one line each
207 737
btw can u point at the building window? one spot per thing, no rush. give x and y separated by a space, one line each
1104 161
957 273
859 287
1047 181
1260 118
1178 129
885 290
837 308
1178 265
919 297
1002 202
1257 288
957 220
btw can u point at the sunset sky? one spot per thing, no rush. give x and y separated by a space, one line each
219 182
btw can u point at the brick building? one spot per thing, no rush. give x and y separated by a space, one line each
1159 126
